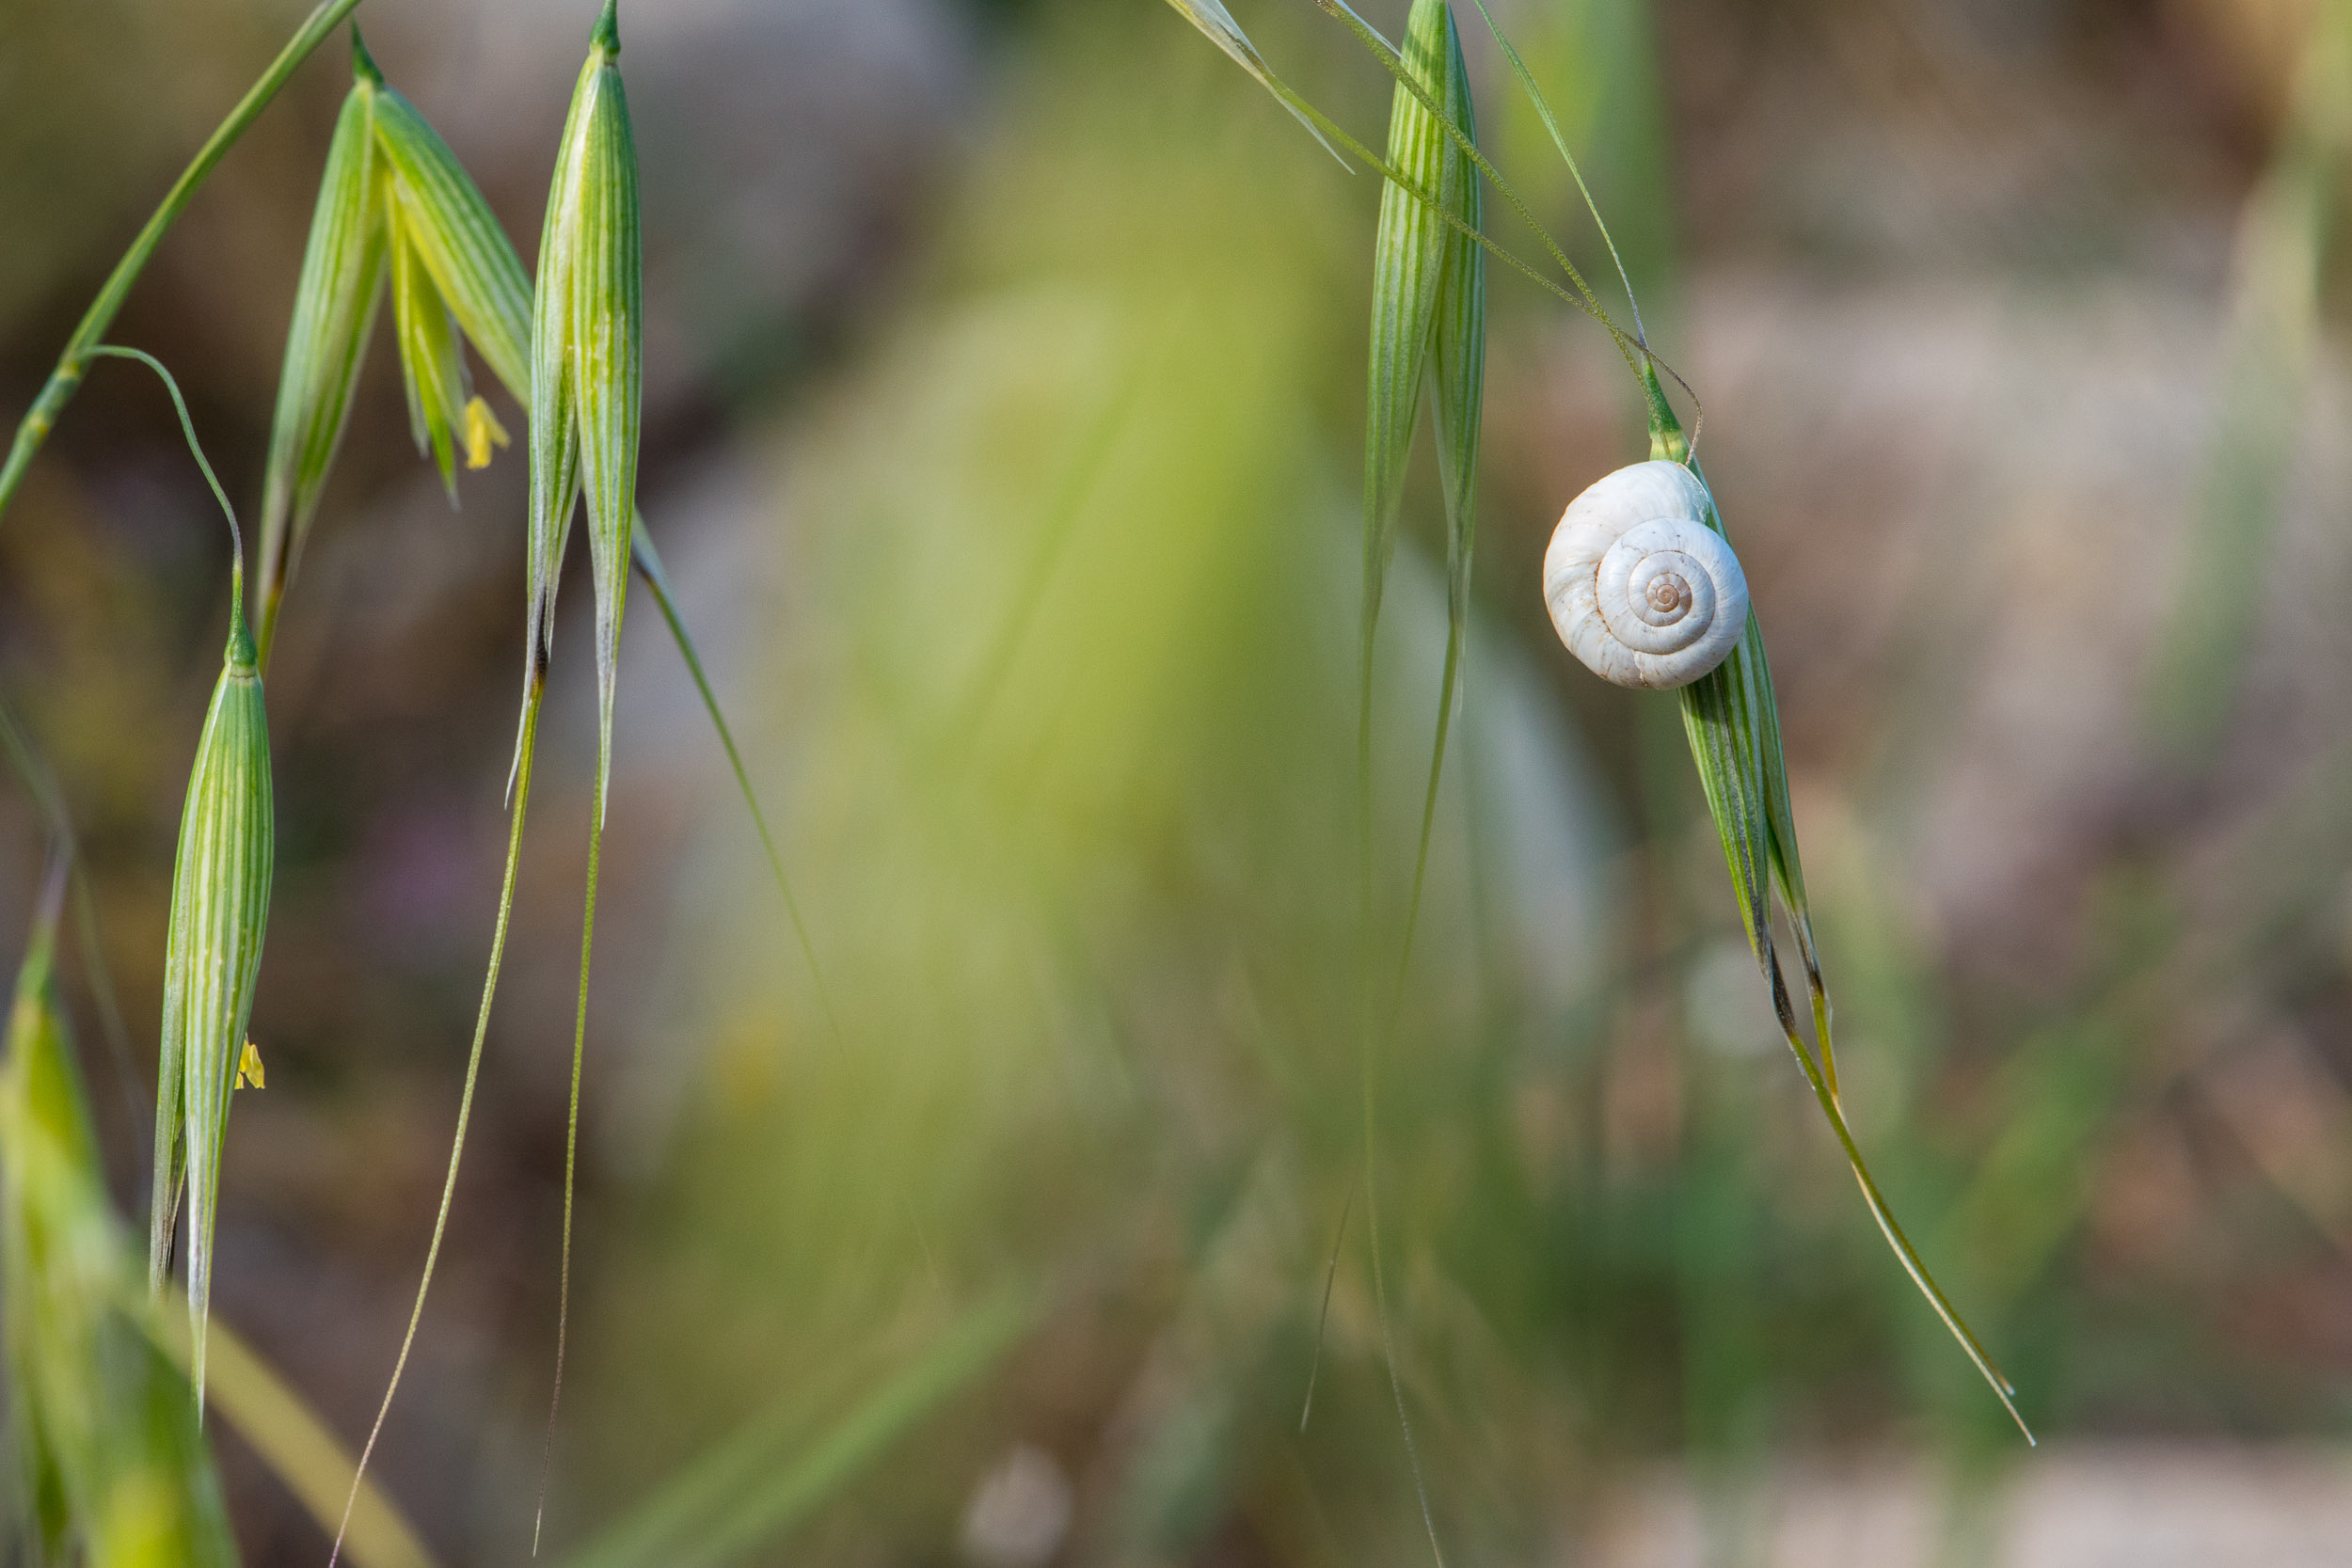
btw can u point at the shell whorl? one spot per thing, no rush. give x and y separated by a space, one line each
1639 587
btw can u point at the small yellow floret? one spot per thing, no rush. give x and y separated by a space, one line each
250 1066
483 430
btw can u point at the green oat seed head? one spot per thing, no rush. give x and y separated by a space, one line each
1732 722
114 1470
221 883
334 310
1428 329
587 384
394 201
219 907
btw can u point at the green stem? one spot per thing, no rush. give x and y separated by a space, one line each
67 378
571 1150
650 571
187 428
523 756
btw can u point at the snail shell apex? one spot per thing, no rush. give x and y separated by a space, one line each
1641 589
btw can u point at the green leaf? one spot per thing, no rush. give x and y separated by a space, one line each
335 303
112 1459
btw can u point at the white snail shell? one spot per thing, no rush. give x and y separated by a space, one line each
1640 587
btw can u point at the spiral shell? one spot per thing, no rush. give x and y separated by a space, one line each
1640 587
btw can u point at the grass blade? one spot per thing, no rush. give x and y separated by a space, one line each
112 1458
292 1439
1552 124
657 580
1220 28
751 1488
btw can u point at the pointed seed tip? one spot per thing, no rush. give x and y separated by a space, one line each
363 65
241 655
608 34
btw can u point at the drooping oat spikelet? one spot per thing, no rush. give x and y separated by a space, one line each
393 204
586 393
1428 327
221 883
335 304
114 1469
586 351
1428 324
1410 255
1732 721
220 908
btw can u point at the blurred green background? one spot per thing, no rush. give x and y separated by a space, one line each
1003 432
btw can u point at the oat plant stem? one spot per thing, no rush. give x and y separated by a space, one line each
571 1159
74 363
524 754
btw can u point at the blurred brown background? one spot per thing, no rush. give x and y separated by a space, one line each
1003 421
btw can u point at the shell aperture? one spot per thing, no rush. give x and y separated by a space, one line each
1641 589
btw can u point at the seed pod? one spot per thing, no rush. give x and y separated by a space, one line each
586 363
335 304
219 907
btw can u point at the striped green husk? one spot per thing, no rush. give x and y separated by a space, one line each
471 262
1459 362
1410 253
335 304
1733 723
586 363
219 907
587 390
1429 324
393 203
114 1469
